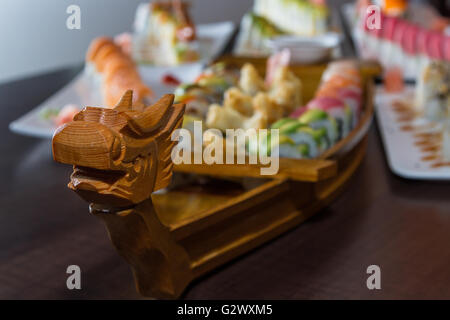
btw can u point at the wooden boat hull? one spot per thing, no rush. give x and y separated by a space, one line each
166 258
183 233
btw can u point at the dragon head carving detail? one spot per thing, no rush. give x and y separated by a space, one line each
120 155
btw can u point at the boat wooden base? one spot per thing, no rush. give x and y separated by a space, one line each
167 250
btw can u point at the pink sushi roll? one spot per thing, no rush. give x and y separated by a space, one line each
371 37
435 46
409 45
387 49
447 48
423 38
398 57
298 112
352 96
337 109
374 37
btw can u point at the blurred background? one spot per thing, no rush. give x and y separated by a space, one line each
35 38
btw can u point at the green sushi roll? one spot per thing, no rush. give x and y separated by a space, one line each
319 119
287 148
315 139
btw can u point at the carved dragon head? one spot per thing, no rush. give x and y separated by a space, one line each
120 155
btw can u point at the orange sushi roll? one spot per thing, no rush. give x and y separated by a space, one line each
119 73
123 80
95 46
116 65
345 69
105 53
112 57
331 92
130 74
342 81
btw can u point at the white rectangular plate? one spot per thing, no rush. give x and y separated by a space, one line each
404 157
212 37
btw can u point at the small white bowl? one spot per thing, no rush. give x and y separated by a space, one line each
307 50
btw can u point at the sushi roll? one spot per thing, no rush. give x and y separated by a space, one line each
423 38
409 46
297 140
340 81
340 88
196 98
113 72
435 46
352 96
164 34
208 88
397 57
338 110
287 148
319 119
315 139
345 68
300 17
446 142
373 38
387 40
447 48
255 31
433 91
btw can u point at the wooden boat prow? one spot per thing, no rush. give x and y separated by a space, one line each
181 233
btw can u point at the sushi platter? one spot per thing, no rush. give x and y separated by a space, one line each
79 92
414 146
407 42
196 224
140 103
291 166
305 27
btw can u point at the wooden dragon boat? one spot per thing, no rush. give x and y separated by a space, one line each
121 156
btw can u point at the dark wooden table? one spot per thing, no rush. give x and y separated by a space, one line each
403 226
